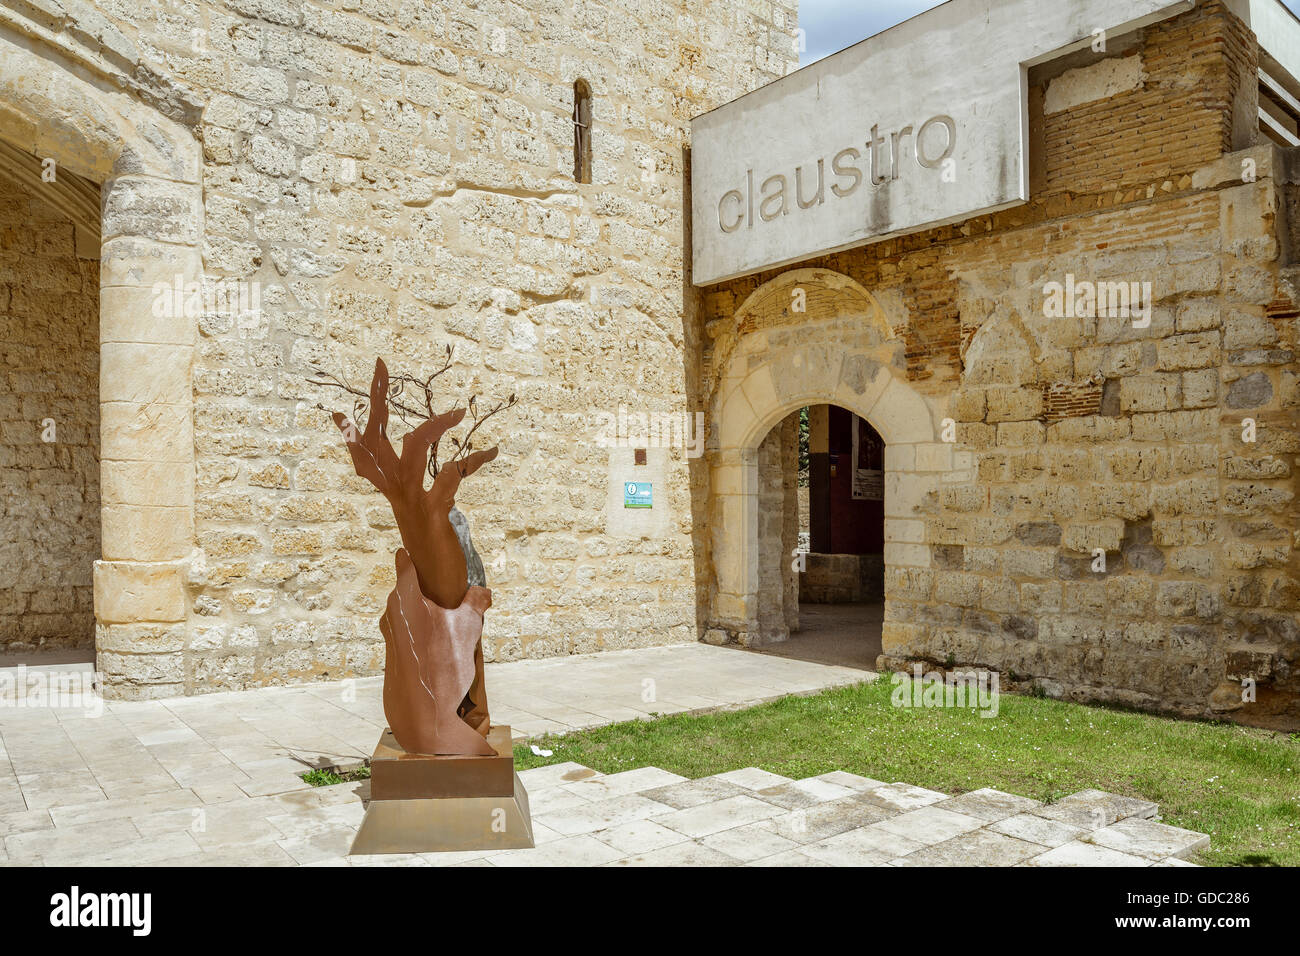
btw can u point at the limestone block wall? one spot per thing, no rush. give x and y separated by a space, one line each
842 579
384 178
1163 444
1193 520
49 428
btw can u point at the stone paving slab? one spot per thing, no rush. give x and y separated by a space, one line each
930 825
812 824
709 818
850 781
622 784
1076 853
640 836
1036 829
690 853
980 847
903 796
695 792
990 805
638 825
799 794
861 846
789 858
749 842
602 814
1094 809
1157 841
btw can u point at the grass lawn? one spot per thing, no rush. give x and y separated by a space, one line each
1238 784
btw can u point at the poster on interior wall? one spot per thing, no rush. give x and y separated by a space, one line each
868 462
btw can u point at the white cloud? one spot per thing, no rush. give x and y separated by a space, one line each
832 25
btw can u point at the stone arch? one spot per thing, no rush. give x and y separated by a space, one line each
1001 352
827 294
843 351
68 103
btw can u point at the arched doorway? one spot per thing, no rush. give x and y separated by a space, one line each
815 337
821 532
841 560
72 110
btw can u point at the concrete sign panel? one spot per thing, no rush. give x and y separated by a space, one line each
631 510
924 124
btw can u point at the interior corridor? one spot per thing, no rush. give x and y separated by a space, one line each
839 635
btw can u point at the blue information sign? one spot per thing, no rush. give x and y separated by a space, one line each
637 494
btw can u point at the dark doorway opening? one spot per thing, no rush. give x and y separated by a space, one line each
836 611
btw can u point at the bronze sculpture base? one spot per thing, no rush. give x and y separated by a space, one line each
425 804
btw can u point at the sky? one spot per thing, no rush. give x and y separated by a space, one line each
832 25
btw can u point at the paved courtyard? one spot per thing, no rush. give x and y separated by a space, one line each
213 780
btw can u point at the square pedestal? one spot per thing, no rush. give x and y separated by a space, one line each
421 803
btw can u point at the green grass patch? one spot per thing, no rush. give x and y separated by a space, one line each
328 777
1238 784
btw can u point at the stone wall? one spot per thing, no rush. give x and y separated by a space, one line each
390 178
778 532
1167 447
842 579
49 428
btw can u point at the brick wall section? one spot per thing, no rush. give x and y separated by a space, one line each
1125 141
1193 63
49 369
1071 400
934 335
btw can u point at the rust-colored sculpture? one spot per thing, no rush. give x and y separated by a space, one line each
434 696
434 658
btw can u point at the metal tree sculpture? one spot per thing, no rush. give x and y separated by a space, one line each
434 697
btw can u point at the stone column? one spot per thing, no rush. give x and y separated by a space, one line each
151 266
735 540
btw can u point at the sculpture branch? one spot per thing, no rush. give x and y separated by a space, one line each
410 414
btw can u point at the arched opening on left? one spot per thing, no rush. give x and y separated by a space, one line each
141 159
49 411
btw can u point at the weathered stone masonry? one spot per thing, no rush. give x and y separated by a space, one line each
395 176
49 427
1075 434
